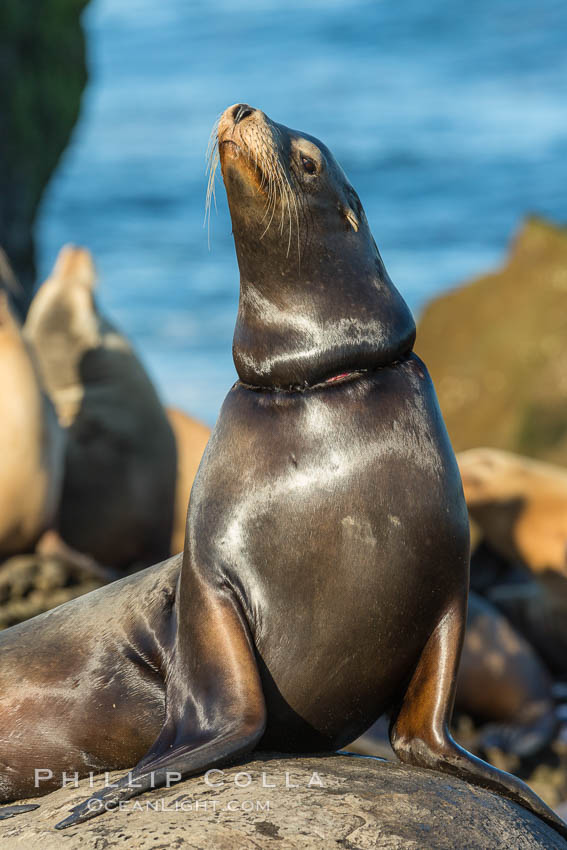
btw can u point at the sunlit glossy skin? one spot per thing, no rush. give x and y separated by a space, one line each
314 533
82 685
325 570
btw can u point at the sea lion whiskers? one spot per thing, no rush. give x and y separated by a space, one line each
286 194
287 191
212 159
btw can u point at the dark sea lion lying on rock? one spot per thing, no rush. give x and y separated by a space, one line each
325 573
504 684
118 493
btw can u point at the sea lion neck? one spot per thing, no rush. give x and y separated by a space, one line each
303 322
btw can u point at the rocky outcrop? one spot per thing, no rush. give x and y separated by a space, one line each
294 802
31 584
43 73
497 350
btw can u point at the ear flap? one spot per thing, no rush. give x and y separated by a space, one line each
352 219
348 213
75 266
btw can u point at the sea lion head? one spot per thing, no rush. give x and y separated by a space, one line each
315 297
62 324
282 183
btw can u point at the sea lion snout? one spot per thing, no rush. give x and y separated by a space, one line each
75 265
238 121
242 111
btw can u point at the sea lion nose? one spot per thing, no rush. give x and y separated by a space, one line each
241 111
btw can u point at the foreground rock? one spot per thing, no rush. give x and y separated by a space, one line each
497 350
336 801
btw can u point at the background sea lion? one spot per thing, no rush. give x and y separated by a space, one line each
31 458
191 437
325 572
520 506
120 465
503 685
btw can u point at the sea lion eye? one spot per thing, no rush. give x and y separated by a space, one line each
308 164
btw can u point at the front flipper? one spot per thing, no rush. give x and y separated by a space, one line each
215 710
420 734
12 811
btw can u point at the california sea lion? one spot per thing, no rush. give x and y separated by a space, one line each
520 505
31 457
325 572
120 466
191 437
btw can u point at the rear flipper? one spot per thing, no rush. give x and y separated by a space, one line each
12 811
215 709
420 735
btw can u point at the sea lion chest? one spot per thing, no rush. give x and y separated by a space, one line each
337 516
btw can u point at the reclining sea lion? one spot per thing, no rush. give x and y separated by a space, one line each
520 506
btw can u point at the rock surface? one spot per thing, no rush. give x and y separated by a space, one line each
336 801
30 585
497 350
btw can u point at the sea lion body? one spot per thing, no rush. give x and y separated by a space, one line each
120 468
314 701
74 700
325 571
327 481
191 437
31 466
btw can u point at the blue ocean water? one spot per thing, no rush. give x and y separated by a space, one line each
450 119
